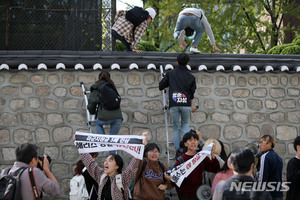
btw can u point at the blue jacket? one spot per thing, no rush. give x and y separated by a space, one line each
271 170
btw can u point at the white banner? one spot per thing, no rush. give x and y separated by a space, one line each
180 172
88 143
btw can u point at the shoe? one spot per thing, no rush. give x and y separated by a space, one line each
194 50
181 37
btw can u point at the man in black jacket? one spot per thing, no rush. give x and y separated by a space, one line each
182 86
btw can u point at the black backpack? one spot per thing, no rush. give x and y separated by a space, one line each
136 16
10 185
109 96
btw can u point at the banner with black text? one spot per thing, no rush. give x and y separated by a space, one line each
88 143
180 172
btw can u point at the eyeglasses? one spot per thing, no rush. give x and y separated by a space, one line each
153 152
260 142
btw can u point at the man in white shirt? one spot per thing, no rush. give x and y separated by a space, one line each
194 19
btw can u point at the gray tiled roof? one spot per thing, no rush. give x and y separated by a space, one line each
93 60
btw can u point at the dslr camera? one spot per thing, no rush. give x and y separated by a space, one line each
41 158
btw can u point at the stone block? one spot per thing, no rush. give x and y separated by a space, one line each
37 79
286 132
60 92
242 82
210 131
271 104
252 132
62 134
53 79
258 117
209 103
240 93
206 80
288 104
118 78
27 90
71 104
274 80
7 119
204 91
221 80
226 104
8 154
153 92
198 117
295 80
32 118
34 103
240 104
232 132
86 79
4 136
152 105
42 135
135 92
18 78
133 79
149 79
252 80
17 104
293 92
76 91
51 104
22 136
10 90
222 92
60 169
240 117
277 93
158 119
259 92
294 117
54 119
43 90
140 117
76 118
70 153
254 104
284 80
219 117
264 80
68 79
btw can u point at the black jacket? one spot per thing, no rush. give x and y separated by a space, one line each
182 86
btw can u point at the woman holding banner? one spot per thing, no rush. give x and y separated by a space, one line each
190 184
150 182
111 176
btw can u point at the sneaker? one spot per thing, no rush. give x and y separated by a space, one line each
181 37
194 50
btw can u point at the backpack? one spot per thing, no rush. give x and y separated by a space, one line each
136 16
119 184
10 185
78 190
109 96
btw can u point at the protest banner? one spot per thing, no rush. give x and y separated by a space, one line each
180 172
88 143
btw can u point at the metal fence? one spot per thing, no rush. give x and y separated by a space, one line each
56 24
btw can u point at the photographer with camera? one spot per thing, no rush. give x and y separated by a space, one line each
28 159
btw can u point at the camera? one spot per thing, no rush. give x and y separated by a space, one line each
41 158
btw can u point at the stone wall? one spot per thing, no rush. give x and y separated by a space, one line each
46 108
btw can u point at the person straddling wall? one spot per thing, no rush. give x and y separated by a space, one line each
193 19
124 30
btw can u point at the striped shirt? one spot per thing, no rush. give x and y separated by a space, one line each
124 28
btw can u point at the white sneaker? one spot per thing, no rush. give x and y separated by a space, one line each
194 50
181 37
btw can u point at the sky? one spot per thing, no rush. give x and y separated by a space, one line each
122 6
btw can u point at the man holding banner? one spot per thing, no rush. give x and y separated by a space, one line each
111 176
188 175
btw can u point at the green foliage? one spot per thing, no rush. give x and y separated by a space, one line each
294 49
143 45
296 41
278 49
147 46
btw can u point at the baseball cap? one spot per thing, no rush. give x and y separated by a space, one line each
151 12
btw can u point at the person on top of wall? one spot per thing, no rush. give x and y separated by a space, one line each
125 31
195 20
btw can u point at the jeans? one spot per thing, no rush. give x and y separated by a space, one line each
194 23
183 112
122 39
115 126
